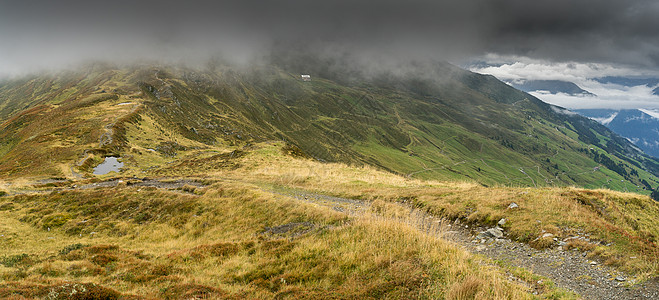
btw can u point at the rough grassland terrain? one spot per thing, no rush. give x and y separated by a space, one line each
228 239
256 185
240 232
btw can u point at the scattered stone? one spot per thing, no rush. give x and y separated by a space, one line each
513 205
561 243
502 222
481 248
592 263
620 278
495 233
547 235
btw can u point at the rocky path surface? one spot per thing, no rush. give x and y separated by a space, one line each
164 183
161 184
570 270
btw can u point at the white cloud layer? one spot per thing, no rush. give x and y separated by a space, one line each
608 95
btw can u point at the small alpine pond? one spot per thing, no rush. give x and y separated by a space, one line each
110 164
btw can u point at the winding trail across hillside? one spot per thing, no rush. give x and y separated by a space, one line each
570 270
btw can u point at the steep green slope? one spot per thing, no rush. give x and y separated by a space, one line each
434 121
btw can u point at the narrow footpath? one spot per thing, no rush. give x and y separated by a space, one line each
570 270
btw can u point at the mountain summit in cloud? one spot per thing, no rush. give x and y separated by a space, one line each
552 87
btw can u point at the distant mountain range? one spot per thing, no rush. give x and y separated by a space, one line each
553 87
628 81
640 126
631 81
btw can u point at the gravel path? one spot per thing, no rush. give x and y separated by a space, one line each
167 184
162 184
570 270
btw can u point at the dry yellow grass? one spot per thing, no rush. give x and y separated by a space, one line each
217 243
168 244
625 221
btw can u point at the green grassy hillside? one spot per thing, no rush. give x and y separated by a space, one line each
437 122
232 149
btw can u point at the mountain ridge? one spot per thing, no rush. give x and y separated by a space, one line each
553 87
638 125
433 121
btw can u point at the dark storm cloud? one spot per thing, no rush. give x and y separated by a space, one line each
44 33
588 30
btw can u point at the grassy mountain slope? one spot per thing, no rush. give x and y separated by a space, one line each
256 137
436 122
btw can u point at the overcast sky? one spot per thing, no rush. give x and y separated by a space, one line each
619 34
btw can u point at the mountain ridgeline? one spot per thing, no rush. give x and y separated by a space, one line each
553 87
431 121
639 126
